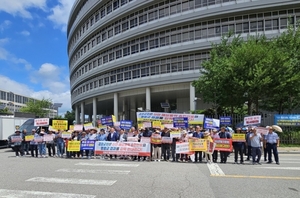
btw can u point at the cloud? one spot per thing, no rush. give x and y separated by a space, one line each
4 25
25 33
51 77
22 89
20 7
60 14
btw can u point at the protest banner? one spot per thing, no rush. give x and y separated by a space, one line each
71 127
238 137
60 124
262 130
108 120
145 139
78 127
197 145
16 138
175 134
287 120
87 145
180 122
168 126
48 138
41 122
167 118
130 134
210 147
29 138
125 124
183 148
225 120
132 139
66 135
223 144
156 124
155 139
38 139
210 123
122 148
147 124
73 146
252 120
88 126
166 140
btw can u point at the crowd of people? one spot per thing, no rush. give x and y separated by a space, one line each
254 145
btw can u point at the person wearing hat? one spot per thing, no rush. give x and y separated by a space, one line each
271 142
238 149
17 139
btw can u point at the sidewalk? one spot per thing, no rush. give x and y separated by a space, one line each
289 150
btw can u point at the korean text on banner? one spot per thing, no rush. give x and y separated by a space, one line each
108 121
78 127
210 147
197 145
145 139
287 120
122 148
183 148
156 139
168 117
238 137
180 122
225 120
175 134
73 145
166 140
48 138
87 145
60 124
210 123
156 124
29 138
66 135
132 139
125 124
88 126
223 144
262 130
38 139
16 139
41 122
252 120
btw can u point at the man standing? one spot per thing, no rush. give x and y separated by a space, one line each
165 147
256 140
112 136
33 145
225 135
248 144
25 145
271 142
198 134
238 149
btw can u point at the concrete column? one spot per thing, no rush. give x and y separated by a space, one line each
124 109
192 98
133 109
166 109
77 118
116 111
148 99
95 111
82 113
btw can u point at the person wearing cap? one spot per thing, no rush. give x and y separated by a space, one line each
256 140
271 142
225 135
165 147
17 143
239 149
33 144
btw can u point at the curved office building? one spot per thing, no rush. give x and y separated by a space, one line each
130 54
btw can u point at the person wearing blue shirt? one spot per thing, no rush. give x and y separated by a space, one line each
271 143
224 154
198 134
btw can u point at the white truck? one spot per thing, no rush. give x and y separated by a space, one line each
8 126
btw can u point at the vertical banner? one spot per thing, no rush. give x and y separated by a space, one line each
181 122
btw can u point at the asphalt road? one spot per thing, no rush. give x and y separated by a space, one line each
71 178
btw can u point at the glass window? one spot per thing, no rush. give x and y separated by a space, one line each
154 70
144 46
275 24
246 27
136 73
127 75
253 26
106 80
145 72
283 23
113 79
120 77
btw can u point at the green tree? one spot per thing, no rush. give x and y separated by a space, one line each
70 115
5 111
38 107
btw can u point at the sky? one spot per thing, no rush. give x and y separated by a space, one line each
33 49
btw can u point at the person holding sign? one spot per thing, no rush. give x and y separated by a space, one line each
198 135
25 144
59 144
256 140
156 146
17 140
165 147
184 138
225 135
50 144
207 137
271 143
33 144
239 147
42 145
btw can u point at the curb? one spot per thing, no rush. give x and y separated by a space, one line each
289 152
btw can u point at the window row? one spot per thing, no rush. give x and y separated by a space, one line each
181 34
239 24
104 10
150 68
9 96
150 13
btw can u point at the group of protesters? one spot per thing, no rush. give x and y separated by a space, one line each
252 147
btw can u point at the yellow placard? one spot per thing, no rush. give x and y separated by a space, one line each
141 125
29 138
71 127
197 145
156 124
73 145
60 124
238 137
